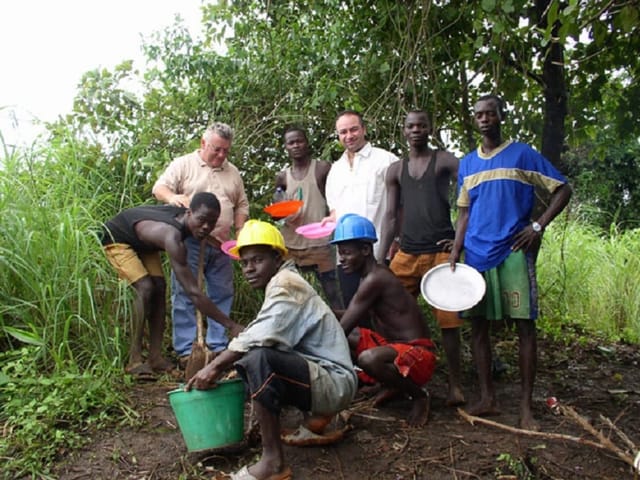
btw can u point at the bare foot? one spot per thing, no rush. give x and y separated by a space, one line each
262 470
142 372
455 398
484 408
527 422
385 395
160 364
366 392
419 414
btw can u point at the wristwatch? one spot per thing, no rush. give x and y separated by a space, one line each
536 227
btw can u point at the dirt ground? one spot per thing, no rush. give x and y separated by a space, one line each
594 380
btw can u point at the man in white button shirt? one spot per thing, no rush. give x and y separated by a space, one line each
356 184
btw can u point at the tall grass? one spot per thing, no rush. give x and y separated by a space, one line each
589 278
63 313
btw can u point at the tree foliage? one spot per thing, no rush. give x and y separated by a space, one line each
568 71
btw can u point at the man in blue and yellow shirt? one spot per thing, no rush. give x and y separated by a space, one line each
496 194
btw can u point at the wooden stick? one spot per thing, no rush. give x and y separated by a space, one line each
551 436
620 433
584 423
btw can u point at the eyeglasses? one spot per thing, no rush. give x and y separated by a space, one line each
217 150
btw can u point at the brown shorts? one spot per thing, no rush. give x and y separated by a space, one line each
410 269
324 257
131 265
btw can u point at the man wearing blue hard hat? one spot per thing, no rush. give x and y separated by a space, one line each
397 352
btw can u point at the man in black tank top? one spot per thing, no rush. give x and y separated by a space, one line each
418 196
132 242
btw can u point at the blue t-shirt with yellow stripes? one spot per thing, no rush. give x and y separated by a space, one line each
499 190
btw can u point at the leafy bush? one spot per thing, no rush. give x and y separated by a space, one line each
44 416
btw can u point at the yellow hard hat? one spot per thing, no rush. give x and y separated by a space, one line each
256 232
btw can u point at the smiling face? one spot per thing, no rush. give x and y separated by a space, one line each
259 264
214 150
351 132
417 129
201 221
353 255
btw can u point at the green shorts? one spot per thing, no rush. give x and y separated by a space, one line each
512 291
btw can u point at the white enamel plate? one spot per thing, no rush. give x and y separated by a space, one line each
453 291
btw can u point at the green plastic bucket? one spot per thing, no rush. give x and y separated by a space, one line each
210 418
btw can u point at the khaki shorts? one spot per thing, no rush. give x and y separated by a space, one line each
131 265
411 268
324 257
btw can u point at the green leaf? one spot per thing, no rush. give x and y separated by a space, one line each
30 338
628 18
488 5
508 7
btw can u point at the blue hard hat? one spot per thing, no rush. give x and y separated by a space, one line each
354 227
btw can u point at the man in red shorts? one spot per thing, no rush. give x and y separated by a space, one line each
398 352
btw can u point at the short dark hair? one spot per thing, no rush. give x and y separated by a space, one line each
351 112
207 199
420 112
295 128
502 107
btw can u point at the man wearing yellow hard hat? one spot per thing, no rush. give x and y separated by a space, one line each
293 353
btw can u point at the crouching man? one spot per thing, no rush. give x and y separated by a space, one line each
293 353
398 352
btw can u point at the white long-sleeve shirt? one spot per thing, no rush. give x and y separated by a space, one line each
360 188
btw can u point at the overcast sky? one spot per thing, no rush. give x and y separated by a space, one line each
46 46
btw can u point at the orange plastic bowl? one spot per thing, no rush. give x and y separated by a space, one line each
283 209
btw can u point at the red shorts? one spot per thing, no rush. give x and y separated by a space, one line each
414 360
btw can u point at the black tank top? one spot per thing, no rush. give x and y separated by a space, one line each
120 229
426 213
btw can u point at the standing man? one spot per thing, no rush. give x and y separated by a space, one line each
418 186
293 353
305 180
496 186
205 170
355 184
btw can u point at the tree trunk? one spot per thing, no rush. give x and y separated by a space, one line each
555 102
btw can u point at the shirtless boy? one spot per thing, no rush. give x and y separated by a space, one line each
398 351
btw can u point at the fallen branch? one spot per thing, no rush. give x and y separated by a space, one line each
373 417
627 441
551 436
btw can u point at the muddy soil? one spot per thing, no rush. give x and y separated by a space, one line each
594 380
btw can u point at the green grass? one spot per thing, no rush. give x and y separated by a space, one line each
589 278
63 313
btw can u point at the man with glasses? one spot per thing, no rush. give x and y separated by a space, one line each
205 170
